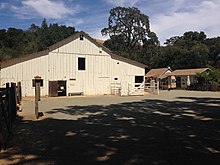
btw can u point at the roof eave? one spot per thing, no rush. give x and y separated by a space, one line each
59 44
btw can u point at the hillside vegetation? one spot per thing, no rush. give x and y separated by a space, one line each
130 36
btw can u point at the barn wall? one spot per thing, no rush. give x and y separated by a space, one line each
25 72
125 74
94 80
62 64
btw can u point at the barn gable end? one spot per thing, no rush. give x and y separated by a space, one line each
77 64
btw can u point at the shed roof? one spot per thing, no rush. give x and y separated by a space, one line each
187 72
157 73
14 61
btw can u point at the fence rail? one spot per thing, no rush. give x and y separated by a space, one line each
10 97
115 88
152 87
138 89
204 87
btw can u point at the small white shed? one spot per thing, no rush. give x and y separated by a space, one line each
76 65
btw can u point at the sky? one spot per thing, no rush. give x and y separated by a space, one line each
168 18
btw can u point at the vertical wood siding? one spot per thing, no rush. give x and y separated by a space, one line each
62 64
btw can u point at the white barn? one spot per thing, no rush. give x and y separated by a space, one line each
76 65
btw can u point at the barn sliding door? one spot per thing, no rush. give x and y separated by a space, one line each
53 88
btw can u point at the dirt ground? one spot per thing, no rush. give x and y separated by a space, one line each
174 128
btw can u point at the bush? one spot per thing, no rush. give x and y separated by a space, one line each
208 80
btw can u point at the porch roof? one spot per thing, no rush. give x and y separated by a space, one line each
157 73
187 72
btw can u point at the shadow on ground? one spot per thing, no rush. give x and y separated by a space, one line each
150 132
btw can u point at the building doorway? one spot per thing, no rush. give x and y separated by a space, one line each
178 82
138 80
57 88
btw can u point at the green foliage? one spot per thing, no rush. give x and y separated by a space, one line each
116 44
212 77
128 24
12 42
172 40
130 35
214 51
187 51
150 50
194 36
48 35
16 42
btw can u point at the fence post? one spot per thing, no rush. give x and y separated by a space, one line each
8 111
37 95
158 87
14 100
19 92
7 85
8 108
1 127
9 101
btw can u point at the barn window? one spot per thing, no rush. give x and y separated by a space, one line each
81 63
34 83
138 80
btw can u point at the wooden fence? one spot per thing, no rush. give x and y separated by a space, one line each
152 87
10 98
204 87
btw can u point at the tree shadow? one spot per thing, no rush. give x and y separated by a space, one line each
153 132
203 99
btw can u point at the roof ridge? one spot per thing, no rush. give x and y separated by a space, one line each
63 42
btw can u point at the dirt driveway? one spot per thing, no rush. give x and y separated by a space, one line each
174 128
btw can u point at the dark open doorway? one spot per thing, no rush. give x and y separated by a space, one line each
138 80
61 88
178 82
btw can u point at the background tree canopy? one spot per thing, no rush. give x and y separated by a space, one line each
127 28
17 42
130 36
187 51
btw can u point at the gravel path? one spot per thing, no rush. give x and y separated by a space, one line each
49 103
176 127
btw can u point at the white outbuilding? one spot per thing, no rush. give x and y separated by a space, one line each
76 65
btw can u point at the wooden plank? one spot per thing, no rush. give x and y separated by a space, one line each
13 101
53 88
8 111
37 98
18 91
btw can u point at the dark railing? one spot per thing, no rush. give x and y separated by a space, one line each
10 98
204 87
